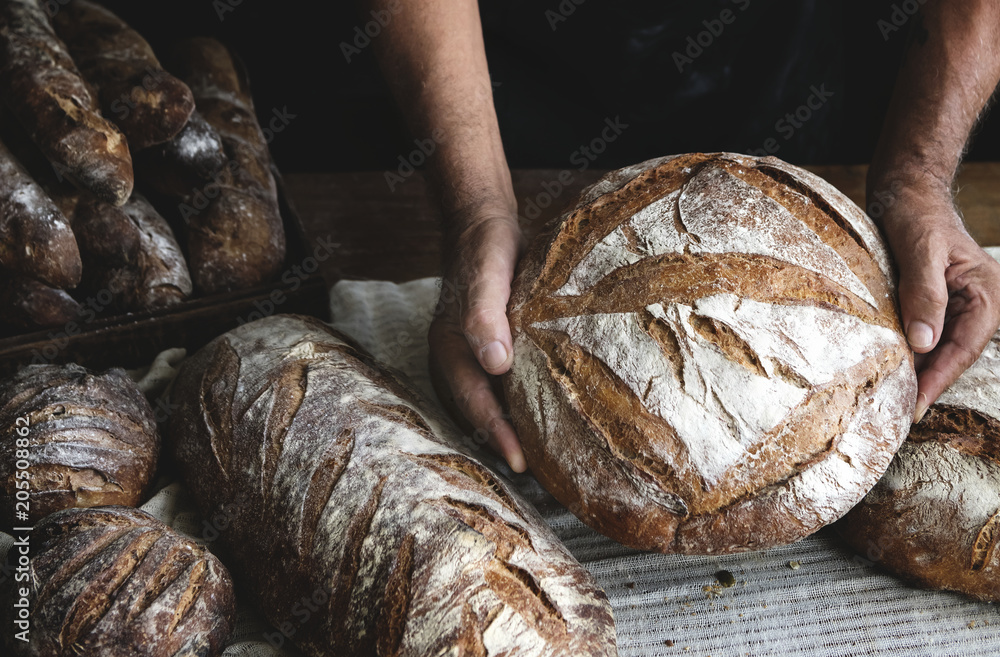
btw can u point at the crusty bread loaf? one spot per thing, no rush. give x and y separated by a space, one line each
105 234
116 582
341 487
35 238
27 304
45 91
235 235
934 518
155 276
707 356
186 164
91 439
147 103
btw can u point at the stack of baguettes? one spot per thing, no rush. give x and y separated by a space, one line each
86 98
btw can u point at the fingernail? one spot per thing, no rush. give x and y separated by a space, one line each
494 355
921 410
516 462
920 335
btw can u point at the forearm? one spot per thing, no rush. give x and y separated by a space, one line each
432 55
951 69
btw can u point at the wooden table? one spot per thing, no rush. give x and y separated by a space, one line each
394 234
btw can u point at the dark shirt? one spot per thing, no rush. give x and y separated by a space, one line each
811 76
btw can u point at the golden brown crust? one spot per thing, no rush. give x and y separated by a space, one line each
678 290
934 518
147 103
47 94
116 582
91 439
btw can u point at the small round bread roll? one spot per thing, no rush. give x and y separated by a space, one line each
116 582
934 518
707 355
72 438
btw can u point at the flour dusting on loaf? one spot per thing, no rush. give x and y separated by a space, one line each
934 518
708 356
340 480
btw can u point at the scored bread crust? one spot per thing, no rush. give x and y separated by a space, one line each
238 240
116 582
934 518
92 439
707 355
45 91
339 485
147 103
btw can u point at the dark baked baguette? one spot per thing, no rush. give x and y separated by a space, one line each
341 486
27 304
147 103
155 275
36 240
45 91
91 439
116 582
186 164
237 240
106 235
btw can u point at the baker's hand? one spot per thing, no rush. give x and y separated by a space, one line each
470 336
949 288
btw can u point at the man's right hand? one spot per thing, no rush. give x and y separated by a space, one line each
470 336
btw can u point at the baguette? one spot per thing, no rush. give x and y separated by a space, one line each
27 304
45 91
106 235
154 276
35 238
147 103
185 164
237 240
340 486
117 582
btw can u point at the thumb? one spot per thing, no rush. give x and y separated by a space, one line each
490 265
923 300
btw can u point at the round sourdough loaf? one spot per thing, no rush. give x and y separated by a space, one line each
707 355
87 439
115 582
934 518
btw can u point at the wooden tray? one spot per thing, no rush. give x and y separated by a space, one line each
134 339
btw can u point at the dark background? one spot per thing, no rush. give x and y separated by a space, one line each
555 87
